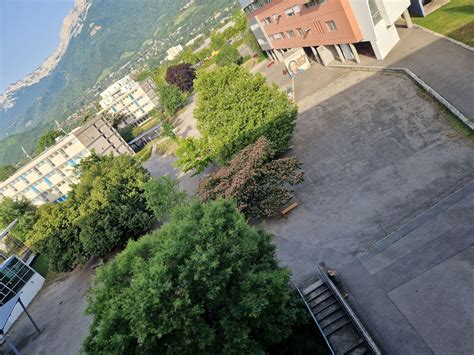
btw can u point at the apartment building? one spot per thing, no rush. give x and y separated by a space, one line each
341 25
173 52
134 100
48 177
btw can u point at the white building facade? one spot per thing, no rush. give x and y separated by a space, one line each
48 177
173 52
134 100
377 19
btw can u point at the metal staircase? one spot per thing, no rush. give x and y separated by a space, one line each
340 327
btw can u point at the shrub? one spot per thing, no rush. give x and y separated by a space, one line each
171 99
163 195
206 282
228 55
181 75
234 108
127 133
56 236
22 210
255 180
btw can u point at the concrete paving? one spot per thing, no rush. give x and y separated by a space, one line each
387 201
379 157
446 67
59 312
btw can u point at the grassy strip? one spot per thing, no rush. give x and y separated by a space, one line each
455 20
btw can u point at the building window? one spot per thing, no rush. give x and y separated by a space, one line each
267 20
312 3
374 11
255 5
331 26
290 12
290 33
300 32
278 35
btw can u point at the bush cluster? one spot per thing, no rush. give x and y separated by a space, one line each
234 108
206 282
104 210
255 180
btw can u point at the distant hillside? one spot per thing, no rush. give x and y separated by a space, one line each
114 37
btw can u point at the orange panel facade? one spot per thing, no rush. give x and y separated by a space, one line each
289 23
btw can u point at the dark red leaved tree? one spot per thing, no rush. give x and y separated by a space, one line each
181 75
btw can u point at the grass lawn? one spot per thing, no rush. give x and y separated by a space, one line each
455 20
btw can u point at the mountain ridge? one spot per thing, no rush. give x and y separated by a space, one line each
116 38
71 26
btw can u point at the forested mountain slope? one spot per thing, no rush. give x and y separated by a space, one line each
116 37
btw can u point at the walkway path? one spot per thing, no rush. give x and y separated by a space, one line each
445 66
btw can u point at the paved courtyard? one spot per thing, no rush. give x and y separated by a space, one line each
378 156
59 312
388 201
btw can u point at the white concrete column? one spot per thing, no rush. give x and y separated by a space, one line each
270 56
339 53
316 55
354 51
406 16
279 55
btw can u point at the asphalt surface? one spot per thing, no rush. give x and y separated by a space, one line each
378 157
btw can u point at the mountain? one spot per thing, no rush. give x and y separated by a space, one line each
101 40
72 25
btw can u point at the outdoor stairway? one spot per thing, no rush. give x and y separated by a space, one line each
340 327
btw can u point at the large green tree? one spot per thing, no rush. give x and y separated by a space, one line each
23 211
255 180
182 75
234 108
104 210
228 55
56 236
111 202
6 171
171 98
206 282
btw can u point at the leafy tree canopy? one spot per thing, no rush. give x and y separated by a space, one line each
163 195
22 210
234 108
6 171
171 99
228 55
181 75
217 41
46 140
104 210
255 180
110 201
206 282
56 235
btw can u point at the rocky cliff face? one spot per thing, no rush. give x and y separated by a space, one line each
72 26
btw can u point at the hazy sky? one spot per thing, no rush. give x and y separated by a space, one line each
29 32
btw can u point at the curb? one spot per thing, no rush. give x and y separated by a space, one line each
468 122
464 45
